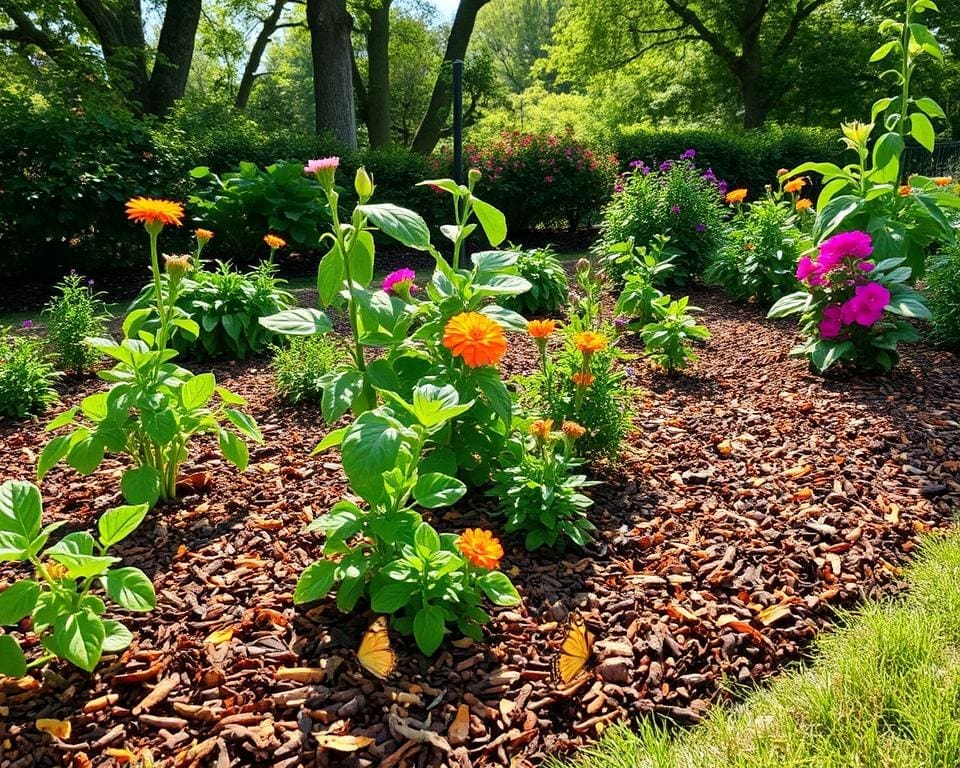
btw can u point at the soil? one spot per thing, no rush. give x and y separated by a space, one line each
752 501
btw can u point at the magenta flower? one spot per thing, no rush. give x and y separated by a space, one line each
322 164
805 269
548 179
666 165
831 323
675 209
399 282
27 325
866 266
858 245
866 305
701 228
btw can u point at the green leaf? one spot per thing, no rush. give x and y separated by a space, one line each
791 304
506 318
503 285
435 489
85 455
62 420
399 223
234 449
339 391
370 448
332 440
160 425
834 213
118 523
428 629
496 392
931 107
392 588
330 276
14 546
433 405
131 589
922 130
51 454
350 591
302 321
826 353
116 636
18 601
885 50
448 185
12 661
886 158
492 220
141 485
196 391
498 588
21 509
78 638
361 259
72 552
315 582
245 424
426 539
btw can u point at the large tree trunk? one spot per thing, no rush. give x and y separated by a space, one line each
428 134
119 29
256 54
378 78
168 81
330 26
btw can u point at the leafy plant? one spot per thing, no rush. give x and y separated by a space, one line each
300 365
65 614
227 305
386 550
538 492
75 314
548 282
26 376
844 304
646 271
154 407
667 339
943 295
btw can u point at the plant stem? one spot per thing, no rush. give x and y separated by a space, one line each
332 198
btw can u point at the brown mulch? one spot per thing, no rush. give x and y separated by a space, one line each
753 500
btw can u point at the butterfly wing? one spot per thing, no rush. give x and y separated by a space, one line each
575 652
375 654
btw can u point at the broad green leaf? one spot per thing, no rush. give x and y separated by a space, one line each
427 540
245 424
448 185
791 304
79 565
116 636
298 322
401 224
826 353
197 390
141 485
14 546
78 638
160 425
498 588
492 220
922 130
370 448
506 318
339 391
51 454
503 285
931 107
18 601
392 588
361 259
494 262
131 589
428 629
332 440
118 523
315 582
21 509
435 489
496 393
234 449
330 276
85 455
12 661
63 419
433 405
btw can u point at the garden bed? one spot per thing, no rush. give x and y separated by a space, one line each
753 500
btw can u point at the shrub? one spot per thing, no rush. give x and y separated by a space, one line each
675 199
26 376
646 271
542 180
75 314
758 258
299 366
943 295
548 283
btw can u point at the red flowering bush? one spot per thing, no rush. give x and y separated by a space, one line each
539 180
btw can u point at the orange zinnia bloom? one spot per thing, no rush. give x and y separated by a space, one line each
943 181
480 548
541 428
273 241
203 234
541 329
589 342
803 204
795 185
582 379
151 211
476 338
736 196
573 430
905 190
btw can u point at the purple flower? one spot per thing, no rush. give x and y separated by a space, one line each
689 154
722 187
27 325
666 165
399 282
636 163
701 228
674 209
631 372
620 322
618 187
709 175
90 282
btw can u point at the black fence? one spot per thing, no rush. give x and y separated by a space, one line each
943 161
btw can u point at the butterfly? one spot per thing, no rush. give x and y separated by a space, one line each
375 654
576 650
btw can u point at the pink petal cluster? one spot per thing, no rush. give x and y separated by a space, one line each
866 305
322 164
847 247
400 282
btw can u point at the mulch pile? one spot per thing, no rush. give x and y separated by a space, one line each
753 500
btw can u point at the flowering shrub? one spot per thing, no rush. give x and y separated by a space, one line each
542 180
75 314
26 376
675 199
845 302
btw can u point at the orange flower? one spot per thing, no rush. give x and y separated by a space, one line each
573 430
176 266
905 190
735 196
541 428
943 181
804 204
274 242
203 234
476 338
582 379
541 329
795 185
151 211
589 342
480 548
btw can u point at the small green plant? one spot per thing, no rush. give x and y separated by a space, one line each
548 283
26 376
65 614
647 269
943 295
667 340
300 365
538 492
74 314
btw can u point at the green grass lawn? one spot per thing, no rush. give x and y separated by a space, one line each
883 692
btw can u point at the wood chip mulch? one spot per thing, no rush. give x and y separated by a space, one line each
752 501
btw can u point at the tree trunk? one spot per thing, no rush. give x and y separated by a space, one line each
428 134
330 26
256 55
168 81
378 78
119 30
749 72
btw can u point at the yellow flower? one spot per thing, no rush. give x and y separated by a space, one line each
573 430
589 342
804 204
541 428
203 235
943 181
274 242
480 547
476 338
541 329
582 379
795 185
735 196
150 211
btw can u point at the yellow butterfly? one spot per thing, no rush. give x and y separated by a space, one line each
576 650
375 654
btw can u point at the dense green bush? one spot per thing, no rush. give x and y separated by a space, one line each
299 365
75 313
943 294
26 376
744 158
548 292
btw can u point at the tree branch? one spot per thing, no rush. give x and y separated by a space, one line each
25 31
799 16
711 38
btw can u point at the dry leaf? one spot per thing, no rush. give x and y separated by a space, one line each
267 467
343 743
460 727
725 448
59 729
773 614
800 470
677 611
803 494
221 635
302 674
